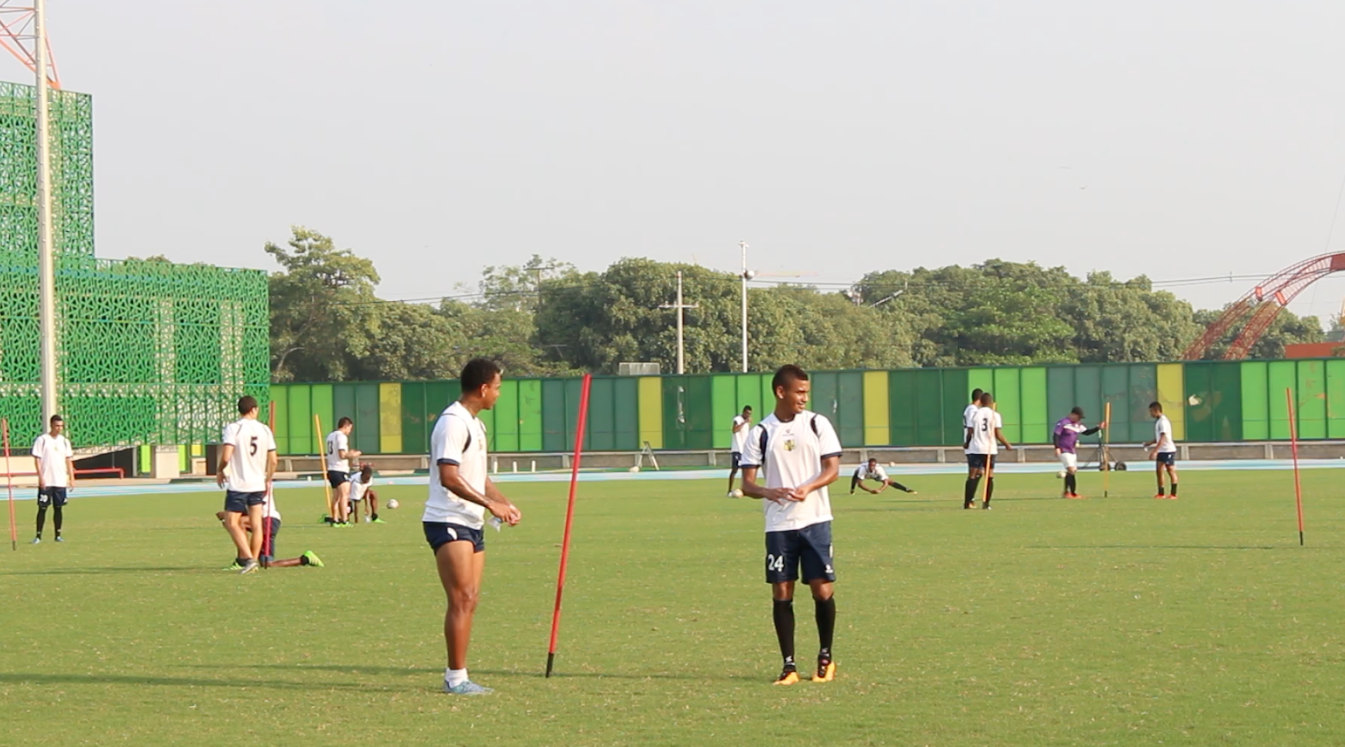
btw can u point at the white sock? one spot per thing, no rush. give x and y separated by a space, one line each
455 677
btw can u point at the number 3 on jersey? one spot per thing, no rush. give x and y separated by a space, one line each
775 564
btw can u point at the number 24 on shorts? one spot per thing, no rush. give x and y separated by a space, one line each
775 564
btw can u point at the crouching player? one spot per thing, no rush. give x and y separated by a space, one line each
872 471
360 492
272 528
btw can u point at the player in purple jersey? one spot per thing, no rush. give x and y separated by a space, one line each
1066 438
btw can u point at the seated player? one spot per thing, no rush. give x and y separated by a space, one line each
360 492
268 560
871 471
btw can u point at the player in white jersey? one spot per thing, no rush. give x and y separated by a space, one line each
802 456
742 426
1163 450
272 517
968 413
461 492
247 463
55 462
361 493
984 436
339 456
870 470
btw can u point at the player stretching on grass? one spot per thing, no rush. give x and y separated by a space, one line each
871 471
247 462
1066 438
272 516
984 436
1163 450
55 475
802 456
742 425
339 455
460 494
360 492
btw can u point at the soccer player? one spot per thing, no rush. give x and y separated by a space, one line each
460 494
983 439
247 464
55 462
272 517
802 456
339 455
968 413
1066 438
1163 450
871 471
742 425
360 492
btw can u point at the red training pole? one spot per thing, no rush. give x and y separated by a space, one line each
266 511
569 520
9 483
1293 446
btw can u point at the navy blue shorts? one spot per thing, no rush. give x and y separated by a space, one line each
977 461
51 497
337 478
1166 457
269 552
235 502
438 534
736 458
809 547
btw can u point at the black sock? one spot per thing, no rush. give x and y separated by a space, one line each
41 519
1174 488
901 487
970 495
303 560
826 626
989 488
784 629
1071 486
373 516
56 519
1160 490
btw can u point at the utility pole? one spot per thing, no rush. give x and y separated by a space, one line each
46 260
746 276
681 348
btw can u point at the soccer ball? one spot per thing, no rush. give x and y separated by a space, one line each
737 493
634 469
392 503
1060 475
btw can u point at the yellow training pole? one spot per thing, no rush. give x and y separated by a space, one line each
1106 457
989 464
322 465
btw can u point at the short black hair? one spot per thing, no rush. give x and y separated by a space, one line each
57 419
976 395
987 399
366 472
747 408
1077 411
247 404
787 373
1156 406
343 422
477 373
873 459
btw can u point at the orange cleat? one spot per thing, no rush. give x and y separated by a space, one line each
788 677
826 671
1074 497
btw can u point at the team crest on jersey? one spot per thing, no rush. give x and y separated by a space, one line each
789 445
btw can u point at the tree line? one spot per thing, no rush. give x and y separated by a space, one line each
546 318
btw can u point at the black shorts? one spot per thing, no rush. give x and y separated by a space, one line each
977 461
51 497
336 478
736 458
269 543
238 503
809 547
438 534
1166 457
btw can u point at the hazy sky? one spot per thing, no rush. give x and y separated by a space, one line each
1179 140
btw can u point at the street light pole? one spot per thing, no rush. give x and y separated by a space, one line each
746 276
46 260
681 348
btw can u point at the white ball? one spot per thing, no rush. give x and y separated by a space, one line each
737 493
1060 474
392 503
634 469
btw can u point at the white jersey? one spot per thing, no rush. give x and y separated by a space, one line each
740 436
358 487
983 426
337 442
793 456
252 442
1163 436
967 415
52 453
270 511
877 473
459 438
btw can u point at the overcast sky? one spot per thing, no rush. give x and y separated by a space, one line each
1179 140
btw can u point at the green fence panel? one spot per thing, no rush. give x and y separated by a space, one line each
1087 390
1226 380
366 418
1199 410
602 415
302 440
343 406
823 399
504 438
530 415
1060 393
322 406
1280 375
700 414
554 436
1036 423
626 404
1009 400
1311 399
1335 399
928 405
901 388
851 412
1255 404
955 396
280 395
674 412
415 434
574 391
980 378
1143 391
1116 390
752 391
724 406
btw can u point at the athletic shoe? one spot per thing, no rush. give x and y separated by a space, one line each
59 538
969 505
1160 497
313 558
912 492
826 671
986 505
251 566
1074 496
233 567
36 541
1171 498
467 688
377 521
790 676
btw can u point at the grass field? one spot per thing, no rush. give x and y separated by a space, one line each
1125 621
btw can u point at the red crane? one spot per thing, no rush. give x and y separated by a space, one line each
1263 303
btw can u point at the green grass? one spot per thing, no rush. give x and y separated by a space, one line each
1045 622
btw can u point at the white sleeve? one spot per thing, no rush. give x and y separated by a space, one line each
880 474
342 442
230 434
999 420
37 447
969 418
752 456
455 441
830 443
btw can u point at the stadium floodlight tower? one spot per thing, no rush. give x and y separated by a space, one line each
23 32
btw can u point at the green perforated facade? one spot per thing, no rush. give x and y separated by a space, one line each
148 352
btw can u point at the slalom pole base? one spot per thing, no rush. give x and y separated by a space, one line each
550 660
1300 544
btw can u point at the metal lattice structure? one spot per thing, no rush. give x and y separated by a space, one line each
149 352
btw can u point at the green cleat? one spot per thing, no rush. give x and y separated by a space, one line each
311 558
234 567
377 521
